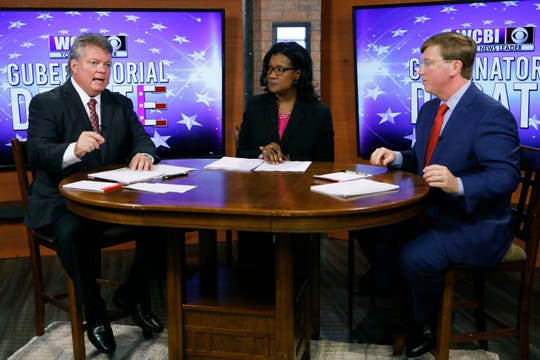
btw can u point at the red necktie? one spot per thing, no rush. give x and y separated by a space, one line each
435 132
93 115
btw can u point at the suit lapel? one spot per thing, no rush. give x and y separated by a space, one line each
77 112
455 122
107 114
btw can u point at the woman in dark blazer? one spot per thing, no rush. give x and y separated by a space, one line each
287 122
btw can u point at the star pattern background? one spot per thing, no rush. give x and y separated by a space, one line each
187 45
387 45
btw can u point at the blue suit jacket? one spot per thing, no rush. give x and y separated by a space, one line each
56 119
480 145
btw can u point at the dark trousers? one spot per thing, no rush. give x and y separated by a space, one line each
79 243
424 262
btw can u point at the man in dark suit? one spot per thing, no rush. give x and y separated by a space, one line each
62 141
472 172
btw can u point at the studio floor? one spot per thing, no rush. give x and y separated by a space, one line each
372 321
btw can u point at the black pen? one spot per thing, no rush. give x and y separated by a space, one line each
356 172
172 176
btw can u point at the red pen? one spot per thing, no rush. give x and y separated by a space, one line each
112 187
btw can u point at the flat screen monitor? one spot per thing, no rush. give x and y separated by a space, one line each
168 62
389 91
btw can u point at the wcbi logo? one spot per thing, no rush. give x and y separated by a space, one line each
511 39
59 46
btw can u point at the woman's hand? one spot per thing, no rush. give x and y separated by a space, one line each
272 154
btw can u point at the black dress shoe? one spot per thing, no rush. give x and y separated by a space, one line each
101 336
422 340
140 312
98 327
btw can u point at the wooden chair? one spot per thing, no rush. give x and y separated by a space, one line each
520 259
66 301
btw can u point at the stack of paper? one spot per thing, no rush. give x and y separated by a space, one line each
234 163
88 185
286 166
127 176
353 188
342 176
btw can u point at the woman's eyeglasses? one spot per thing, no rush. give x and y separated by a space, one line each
279 71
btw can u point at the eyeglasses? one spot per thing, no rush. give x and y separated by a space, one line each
279 71
428 63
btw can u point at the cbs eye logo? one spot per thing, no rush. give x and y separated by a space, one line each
520 35
119 45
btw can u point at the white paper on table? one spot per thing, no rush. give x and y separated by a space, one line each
353 188
342 176
292 166
234 163
127 176
160 188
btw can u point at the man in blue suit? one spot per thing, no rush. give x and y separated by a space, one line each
472 172
63 140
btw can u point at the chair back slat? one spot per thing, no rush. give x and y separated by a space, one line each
527 210
22 169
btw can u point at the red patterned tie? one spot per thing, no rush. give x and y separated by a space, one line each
93 115
435 131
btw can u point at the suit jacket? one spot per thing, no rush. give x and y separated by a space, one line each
479 144
309 135
56 119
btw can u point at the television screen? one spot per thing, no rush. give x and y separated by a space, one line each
388 39
168 62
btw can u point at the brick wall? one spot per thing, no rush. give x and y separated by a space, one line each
266 12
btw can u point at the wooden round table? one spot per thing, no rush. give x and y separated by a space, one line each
276 202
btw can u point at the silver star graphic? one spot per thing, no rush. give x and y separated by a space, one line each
14 56
411 137
382 50
180 39
204 98
448 9
133 18
421 19
102 13
509 3
388 116
189 121
44 16
533 121
155 50
73 13
140 41
158 26
477 5
487 22
16 24
198 55
159 140
374 93
27 44
398 32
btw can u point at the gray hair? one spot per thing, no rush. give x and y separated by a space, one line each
83 41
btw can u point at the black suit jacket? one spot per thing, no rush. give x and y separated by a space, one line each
56 119
309 135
